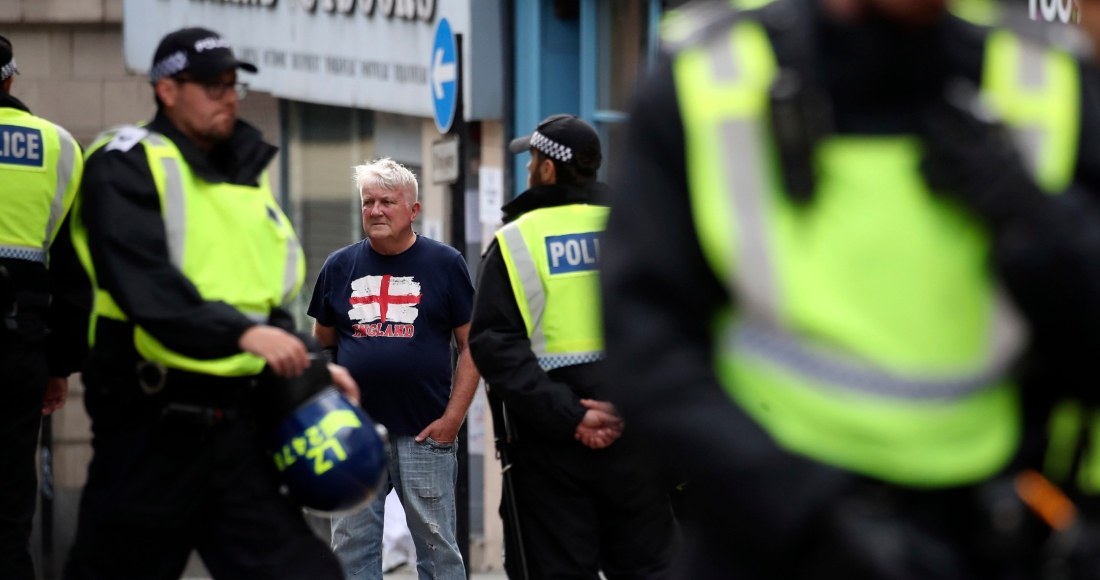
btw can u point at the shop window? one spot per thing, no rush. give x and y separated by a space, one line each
618 47
323 144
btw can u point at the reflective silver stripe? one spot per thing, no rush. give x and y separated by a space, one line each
1008 334
724 66
65 165
257 318
819 365
558 360
290 275
532 285
1032 66
760 333
754 277
175 211
155 139
23 253
1029 143
1031 73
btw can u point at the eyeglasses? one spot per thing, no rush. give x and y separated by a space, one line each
215 90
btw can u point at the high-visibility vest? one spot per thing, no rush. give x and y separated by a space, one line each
983 12
232 242
40 171
553 257
868 332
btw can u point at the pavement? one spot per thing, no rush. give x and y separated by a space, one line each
402 573
406 572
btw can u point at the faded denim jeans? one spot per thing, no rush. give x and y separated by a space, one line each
424 475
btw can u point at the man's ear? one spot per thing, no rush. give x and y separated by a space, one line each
548 174
6 85
167 91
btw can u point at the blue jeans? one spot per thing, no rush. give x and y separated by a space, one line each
424 475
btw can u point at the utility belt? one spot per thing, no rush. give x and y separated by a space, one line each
1014 525
151 390
22 313
154 378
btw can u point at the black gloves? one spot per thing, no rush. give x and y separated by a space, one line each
875 533
282 396
970 157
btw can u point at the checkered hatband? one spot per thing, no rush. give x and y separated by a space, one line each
169 66
551 148
7 70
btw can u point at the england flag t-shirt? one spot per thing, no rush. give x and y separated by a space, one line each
394 317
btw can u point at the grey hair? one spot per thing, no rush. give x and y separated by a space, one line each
387 174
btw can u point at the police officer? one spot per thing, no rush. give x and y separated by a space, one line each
41 343
583 498
192 260
817 287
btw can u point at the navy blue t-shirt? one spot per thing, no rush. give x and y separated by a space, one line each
394 318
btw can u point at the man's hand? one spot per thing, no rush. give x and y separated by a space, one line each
343 381
442 430
284 353
57 391
600 426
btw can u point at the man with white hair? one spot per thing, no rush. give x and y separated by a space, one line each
389 305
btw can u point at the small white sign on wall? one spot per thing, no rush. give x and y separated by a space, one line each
433 229
491 194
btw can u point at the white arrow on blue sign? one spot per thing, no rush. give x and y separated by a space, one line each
444 76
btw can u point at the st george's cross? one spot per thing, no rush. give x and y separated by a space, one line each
385 299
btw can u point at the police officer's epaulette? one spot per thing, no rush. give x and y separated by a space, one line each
696 23
126 137
119 137
700 22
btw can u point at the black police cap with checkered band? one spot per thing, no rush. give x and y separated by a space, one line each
566 139
7 60
199 52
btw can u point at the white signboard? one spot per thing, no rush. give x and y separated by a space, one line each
445 161
491 190
364 54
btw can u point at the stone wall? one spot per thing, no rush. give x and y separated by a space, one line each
71 68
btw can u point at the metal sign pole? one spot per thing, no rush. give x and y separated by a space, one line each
46 495
458 241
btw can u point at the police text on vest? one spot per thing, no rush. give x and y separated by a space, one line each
573 252
21 146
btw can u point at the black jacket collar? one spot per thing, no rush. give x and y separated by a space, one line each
6 100
239 160
543 196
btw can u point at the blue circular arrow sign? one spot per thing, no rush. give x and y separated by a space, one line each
444 76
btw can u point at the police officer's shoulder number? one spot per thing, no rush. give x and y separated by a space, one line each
22 147
126 137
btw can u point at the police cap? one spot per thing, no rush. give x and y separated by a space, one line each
566 139
7 60
200 52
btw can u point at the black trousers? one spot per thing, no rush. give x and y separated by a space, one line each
581 511
23 377
162 485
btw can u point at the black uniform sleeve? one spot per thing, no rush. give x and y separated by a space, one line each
502 353
1088 162
70 307
660 299
129 250
1049 262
